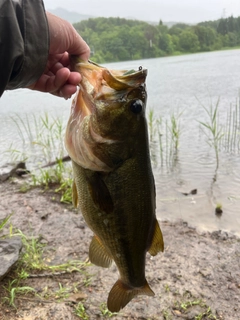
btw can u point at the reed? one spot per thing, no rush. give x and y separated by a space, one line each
212 129
231 142
160 135
42 138
43 141
175 130
167 132
151 124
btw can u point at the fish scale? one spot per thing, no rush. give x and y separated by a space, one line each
113 181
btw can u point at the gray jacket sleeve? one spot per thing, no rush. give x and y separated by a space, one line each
24 42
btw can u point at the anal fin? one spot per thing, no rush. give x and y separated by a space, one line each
157 241
98 254
121 294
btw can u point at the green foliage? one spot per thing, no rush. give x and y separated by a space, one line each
105 312
81 312
32 260
43 138
4 222
13 290
117 39
164 136
212 129
189 41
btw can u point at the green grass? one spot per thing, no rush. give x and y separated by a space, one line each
164 136
80 311
212 129
32 258
222 137
186 305
105 312
14 289
43 138
4 222
231 143
32 263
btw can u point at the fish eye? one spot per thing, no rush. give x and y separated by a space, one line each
136 106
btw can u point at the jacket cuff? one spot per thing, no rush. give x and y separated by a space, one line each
35 35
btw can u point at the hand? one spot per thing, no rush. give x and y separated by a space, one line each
58 79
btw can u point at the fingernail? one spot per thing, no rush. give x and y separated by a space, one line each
60 94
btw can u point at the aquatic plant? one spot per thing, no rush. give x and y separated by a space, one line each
151 124
212 129
231 143
42 138
43 141
167 132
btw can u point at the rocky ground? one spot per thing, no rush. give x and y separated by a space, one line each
197 277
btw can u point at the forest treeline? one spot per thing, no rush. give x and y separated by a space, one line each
118 39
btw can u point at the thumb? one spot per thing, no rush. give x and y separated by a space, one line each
64 38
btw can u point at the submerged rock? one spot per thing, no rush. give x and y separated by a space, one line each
9 254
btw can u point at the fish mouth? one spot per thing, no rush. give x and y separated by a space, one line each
98 88
100 83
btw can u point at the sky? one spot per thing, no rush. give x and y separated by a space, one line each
189 11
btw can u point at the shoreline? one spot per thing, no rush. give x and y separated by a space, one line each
197 275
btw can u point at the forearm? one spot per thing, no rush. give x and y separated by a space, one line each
24 43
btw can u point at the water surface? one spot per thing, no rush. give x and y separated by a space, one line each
175 85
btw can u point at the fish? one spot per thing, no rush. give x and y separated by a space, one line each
113 183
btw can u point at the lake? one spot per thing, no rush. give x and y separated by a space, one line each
181 86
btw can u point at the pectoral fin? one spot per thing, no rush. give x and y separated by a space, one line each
98 254
100 193
74 194
121 294
157 241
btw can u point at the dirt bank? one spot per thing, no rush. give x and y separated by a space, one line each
197 277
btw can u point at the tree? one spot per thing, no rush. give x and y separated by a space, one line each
188 41
206 37
222 26
165 43
174 30
117 39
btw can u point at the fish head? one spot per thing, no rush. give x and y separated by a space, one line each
107 117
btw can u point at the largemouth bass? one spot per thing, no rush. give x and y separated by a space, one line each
107 140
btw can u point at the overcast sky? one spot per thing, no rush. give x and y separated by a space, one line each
191 11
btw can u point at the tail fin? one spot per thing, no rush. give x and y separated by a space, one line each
121 294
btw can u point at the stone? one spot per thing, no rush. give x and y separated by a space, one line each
9 254
13 170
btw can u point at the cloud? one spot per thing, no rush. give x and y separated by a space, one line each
152 10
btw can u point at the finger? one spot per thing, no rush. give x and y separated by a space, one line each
54 68
64 60
52 84
61 77
74 78
67 91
